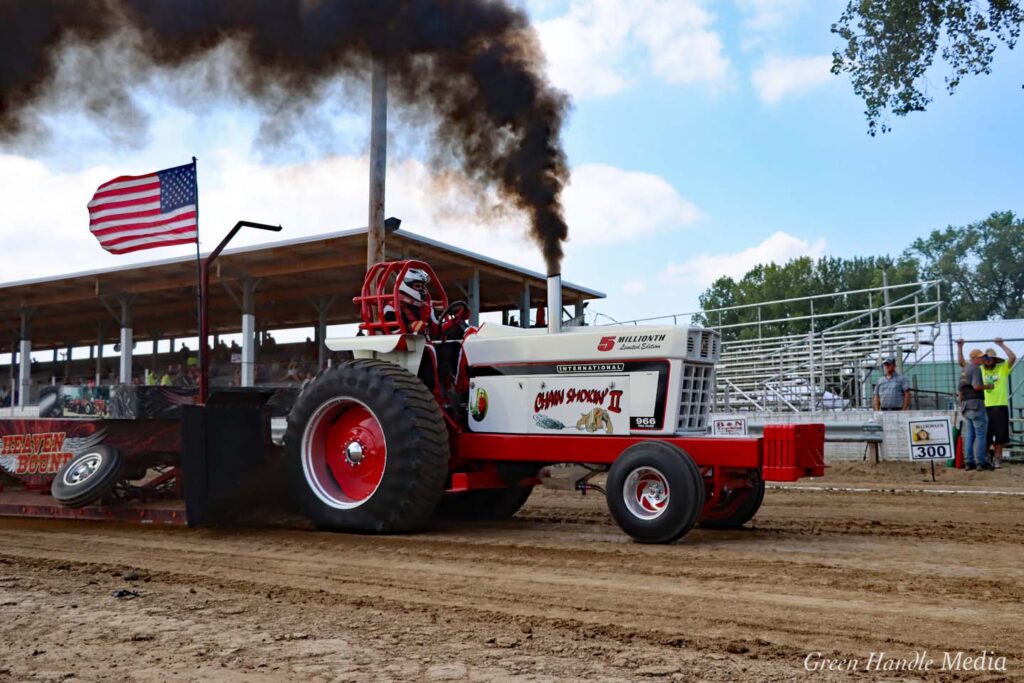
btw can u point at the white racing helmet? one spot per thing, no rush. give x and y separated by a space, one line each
413 277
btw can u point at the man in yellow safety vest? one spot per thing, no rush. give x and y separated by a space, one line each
996 372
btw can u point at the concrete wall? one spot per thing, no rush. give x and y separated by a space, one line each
895 436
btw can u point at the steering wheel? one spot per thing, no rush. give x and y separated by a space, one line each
458 311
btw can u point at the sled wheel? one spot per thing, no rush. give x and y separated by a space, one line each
738 507
87 477
655 492
491 504
367 449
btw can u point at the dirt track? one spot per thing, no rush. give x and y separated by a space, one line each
559 593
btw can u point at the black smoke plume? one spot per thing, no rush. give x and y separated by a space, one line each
474 66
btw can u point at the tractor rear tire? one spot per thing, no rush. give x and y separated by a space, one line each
655 492
88 477
733 513
367 449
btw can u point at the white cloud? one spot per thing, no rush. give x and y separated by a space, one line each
604 204
779 77
704 269
46 230
763 16
49 235
599 46
634 287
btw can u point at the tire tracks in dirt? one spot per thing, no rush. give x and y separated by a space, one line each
840 573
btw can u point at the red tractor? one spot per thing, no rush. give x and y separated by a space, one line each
436 417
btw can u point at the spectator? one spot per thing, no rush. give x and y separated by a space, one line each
275 373
995 372
181 378
972 407
293 374
168 377
893 390
221 352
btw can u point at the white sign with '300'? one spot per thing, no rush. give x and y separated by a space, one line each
931 439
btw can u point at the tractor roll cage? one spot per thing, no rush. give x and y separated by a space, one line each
380 289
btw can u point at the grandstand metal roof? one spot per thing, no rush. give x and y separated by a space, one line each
71 310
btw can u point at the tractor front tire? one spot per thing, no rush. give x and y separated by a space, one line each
655 492
367 449
737 509
88 477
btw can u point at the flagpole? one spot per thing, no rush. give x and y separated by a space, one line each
200 313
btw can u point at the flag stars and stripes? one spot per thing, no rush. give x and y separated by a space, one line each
177 187
130 213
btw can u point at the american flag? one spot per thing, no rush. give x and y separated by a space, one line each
130 213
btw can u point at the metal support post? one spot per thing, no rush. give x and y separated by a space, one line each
474 298
101 327
524 307
25 358
248 333
125 370
323 308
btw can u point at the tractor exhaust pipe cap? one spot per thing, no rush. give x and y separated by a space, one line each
554 303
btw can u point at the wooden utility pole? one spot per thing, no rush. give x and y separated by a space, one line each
378 163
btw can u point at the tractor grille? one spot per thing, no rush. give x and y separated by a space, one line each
696 390
702 345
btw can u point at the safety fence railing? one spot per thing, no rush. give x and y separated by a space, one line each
822 351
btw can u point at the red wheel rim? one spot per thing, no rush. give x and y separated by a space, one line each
727 506
729 502
344 453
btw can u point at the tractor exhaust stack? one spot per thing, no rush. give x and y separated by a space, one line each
554 303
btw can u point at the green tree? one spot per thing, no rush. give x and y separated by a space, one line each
891 45
801 277
981 264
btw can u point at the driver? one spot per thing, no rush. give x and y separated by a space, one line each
416 308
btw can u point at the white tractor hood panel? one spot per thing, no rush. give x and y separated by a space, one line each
499 345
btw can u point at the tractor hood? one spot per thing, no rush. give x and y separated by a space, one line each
498 344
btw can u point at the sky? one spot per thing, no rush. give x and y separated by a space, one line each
706 136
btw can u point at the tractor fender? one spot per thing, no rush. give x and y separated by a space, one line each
404 350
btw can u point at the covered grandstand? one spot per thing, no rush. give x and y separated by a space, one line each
145 310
